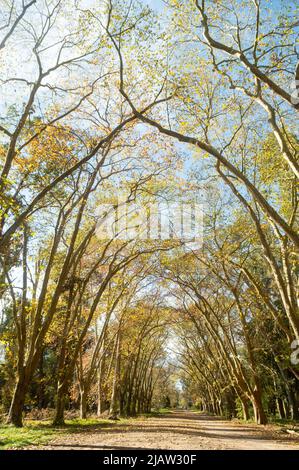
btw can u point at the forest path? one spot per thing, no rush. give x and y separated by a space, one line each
177 430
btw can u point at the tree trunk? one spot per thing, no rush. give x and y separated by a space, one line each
115 388
220 407
60 405
101 402
280 408
286 409
259 413
293 405
291 398
101 399
245 410
83 404
16 408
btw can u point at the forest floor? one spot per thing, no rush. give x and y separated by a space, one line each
174 430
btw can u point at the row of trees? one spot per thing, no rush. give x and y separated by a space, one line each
111 98
68 148
250 289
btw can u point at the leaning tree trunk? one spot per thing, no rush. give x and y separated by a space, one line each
245 409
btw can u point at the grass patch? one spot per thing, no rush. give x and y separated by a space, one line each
160 411
78 423
33 433
41 432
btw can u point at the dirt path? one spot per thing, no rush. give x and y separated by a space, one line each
177 430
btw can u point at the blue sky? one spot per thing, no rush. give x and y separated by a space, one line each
156 4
